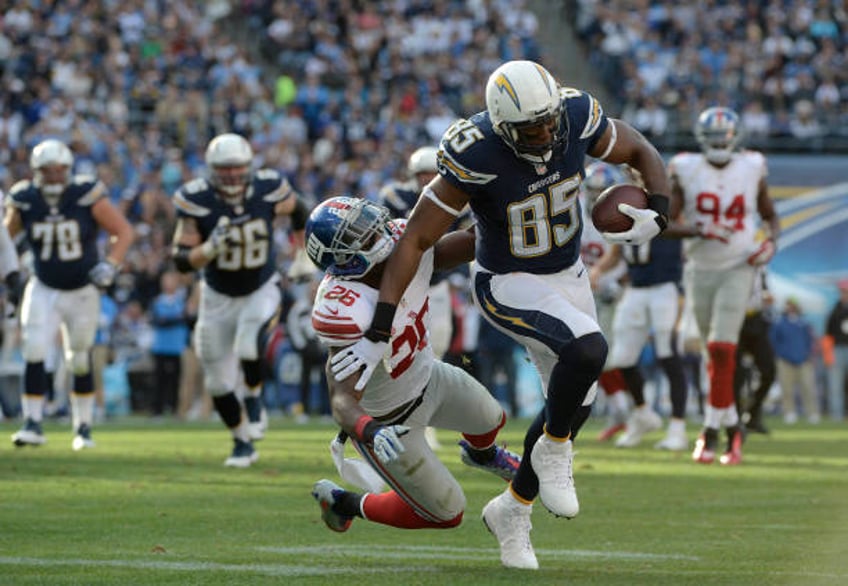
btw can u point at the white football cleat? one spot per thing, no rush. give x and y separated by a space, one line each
243 455
29 435
509 521
640 422
674 441
82 439
552 461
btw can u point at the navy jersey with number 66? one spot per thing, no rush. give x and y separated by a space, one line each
248 261
63 237
528 215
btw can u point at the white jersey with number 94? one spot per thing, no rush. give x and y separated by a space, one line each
720 195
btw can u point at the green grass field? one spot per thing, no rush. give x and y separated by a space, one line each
152 504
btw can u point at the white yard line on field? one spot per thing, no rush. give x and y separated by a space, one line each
266 569
461 553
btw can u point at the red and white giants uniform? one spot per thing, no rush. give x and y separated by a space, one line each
419 391
717 278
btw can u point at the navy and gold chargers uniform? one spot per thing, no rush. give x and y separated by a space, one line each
239 292
399 197
651 307
62 231
527 215
249 261
63 237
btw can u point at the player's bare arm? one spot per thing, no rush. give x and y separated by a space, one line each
187 236
765 207
344 399
13 222
429 221
677 227
632 148
453 249
121 232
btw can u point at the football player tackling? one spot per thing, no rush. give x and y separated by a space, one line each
519 165
350 238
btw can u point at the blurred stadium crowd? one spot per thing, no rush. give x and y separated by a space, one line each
337 94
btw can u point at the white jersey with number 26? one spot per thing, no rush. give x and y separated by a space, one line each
720 195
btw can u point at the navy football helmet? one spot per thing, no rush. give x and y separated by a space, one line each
719 132
348 236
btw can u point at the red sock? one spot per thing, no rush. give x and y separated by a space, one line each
720 370
484 440
389 509
612 381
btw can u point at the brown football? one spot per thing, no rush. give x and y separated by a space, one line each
605 214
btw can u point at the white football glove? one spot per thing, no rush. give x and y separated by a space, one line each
103 274
716 231
364 353
763 254
387 444
646 225
219 239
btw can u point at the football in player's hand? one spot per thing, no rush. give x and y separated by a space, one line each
605 214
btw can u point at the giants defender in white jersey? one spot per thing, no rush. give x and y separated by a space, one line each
719 193
350 239
61 215
606 289
518 165
225 229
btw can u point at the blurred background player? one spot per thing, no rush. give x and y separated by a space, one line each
350 239
225 228
61 215
606 290
650 305
836 340
400 198
755 364
720 193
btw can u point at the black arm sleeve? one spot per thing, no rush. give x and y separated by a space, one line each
299 215
180 255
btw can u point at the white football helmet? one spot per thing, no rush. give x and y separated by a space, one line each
229 159
51 162
423 160
719 132
521 97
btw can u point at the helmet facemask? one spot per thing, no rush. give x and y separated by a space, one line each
229 159
718 133
51 162
348 237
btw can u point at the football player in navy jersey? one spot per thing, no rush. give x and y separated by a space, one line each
519 165
225 229
60 215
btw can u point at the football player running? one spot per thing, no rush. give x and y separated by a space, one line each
400 198
606 290
716 197
649 306
519 165
350 238
61 215
225 229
